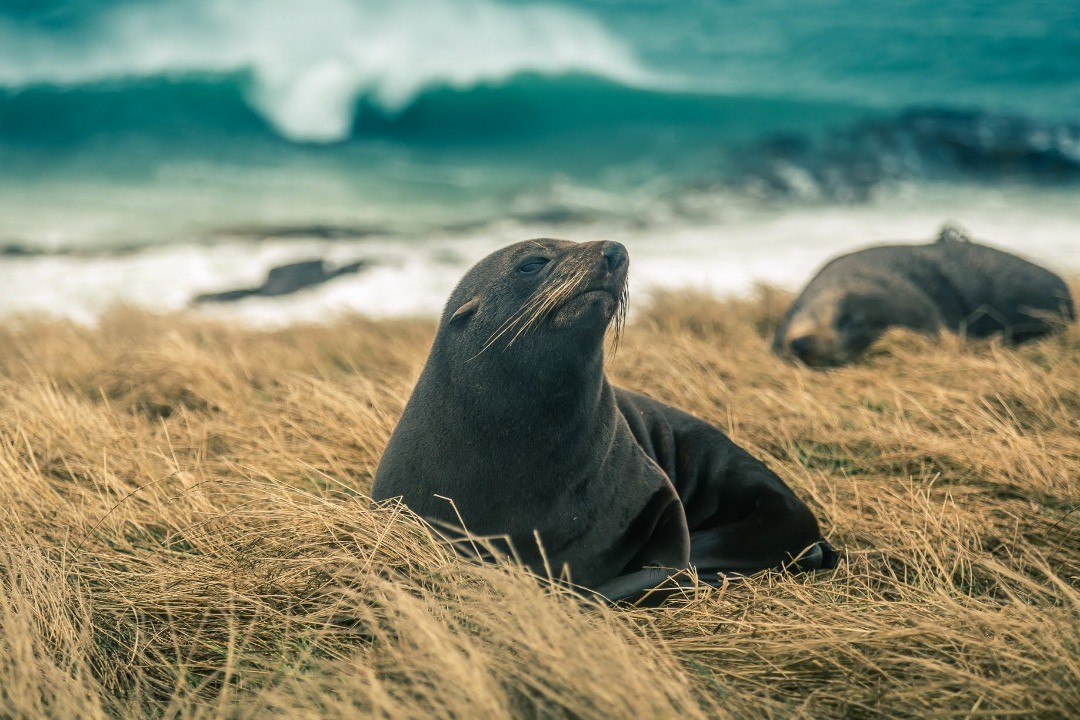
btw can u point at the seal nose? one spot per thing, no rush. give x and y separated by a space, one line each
614 254
802 345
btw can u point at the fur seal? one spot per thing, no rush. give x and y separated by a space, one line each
951 283
514 431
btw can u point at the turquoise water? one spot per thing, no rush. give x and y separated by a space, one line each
205 123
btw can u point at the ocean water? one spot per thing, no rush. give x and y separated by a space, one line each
153 150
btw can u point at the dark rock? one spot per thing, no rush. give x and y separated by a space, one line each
923 143
320 231
285 280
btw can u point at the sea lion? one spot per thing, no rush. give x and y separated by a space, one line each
951 283
513 430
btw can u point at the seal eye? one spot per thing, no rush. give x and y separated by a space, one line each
532 265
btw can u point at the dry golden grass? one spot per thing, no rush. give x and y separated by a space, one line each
185 534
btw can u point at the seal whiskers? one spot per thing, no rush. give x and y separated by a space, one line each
538 306
619 321
548 298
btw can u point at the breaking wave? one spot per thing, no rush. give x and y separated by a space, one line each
307 65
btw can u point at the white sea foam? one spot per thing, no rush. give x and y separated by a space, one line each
413 276
311 61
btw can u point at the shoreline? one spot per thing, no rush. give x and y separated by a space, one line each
412 275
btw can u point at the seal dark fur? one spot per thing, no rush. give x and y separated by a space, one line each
513 430
950 284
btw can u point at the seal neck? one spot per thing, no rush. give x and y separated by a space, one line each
520 386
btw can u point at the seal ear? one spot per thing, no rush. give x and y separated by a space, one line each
465 310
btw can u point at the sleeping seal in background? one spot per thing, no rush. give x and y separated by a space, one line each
949 284
513 431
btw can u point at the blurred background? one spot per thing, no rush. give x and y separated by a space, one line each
155 150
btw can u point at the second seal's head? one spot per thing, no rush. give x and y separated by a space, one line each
539 295
833 326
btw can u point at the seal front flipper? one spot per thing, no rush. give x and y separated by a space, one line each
819 556
652 586
741 516
775 532
651 583
709 563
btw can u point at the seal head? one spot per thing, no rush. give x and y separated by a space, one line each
552 297
831 326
